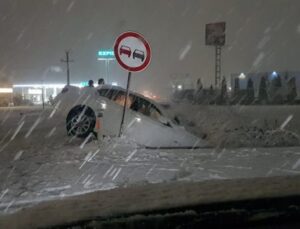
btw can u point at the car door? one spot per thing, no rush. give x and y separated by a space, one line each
112 114
156 130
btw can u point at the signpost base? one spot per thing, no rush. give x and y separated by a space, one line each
125 104
98 128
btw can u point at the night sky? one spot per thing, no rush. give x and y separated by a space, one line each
262 35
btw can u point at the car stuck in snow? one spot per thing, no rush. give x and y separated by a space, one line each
146 122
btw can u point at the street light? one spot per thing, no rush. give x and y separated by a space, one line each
242 76
274 74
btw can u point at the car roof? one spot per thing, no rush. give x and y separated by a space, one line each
112 87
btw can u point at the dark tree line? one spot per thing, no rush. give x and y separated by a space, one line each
268 92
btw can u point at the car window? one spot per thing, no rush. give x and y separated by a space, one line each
119 96
134 102
111 94
145 107
105 93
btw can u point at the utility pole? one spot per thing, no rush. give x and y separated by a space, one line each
67 61
43 96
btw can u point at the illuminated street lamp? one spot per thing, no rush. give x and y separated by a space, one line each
274 74
6 90
242 76
179 87
106 56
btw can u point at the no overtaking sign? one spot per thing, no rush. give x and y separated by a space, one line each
132 51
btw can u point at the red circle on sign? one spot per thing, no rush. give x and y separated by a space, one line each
147 47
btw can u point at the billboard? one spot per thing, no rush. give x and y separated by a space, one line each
215 34
106 54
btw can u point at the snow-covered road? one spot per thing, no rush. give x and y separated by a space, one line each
39 162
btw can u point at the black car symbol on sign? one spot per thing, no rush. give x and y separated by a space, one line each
125 50
138 54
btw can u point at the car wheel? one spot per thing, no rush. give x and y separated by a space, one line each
81 121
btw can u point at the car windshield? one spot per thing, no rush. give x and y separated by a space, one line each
214 95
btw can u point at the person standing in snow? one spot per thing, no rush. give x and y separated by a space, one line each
198 91
90 89
91 83
101 82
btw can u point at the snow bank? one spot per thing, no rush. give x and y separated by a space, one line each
242 126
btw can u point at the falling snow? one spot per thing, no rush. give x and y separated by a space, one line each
288 119
70 6
18 155
258 59
185 51
298 29
40 161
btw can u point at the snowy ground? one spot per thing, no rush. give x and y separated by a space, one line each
39 162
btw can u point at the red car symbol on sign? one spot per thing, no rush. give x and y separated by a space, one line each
138 54
125 50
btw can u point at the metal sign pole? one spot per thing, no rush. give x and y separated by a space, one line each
125 104
218 66
106 71
43 98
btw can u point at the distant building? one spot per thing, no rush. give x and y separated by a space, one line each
34 92
6 94
288 81
182 82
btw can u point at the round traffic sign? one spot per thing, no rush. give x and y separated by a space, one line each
132 51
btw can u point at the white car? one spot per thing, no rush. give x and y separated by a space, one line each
145 121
